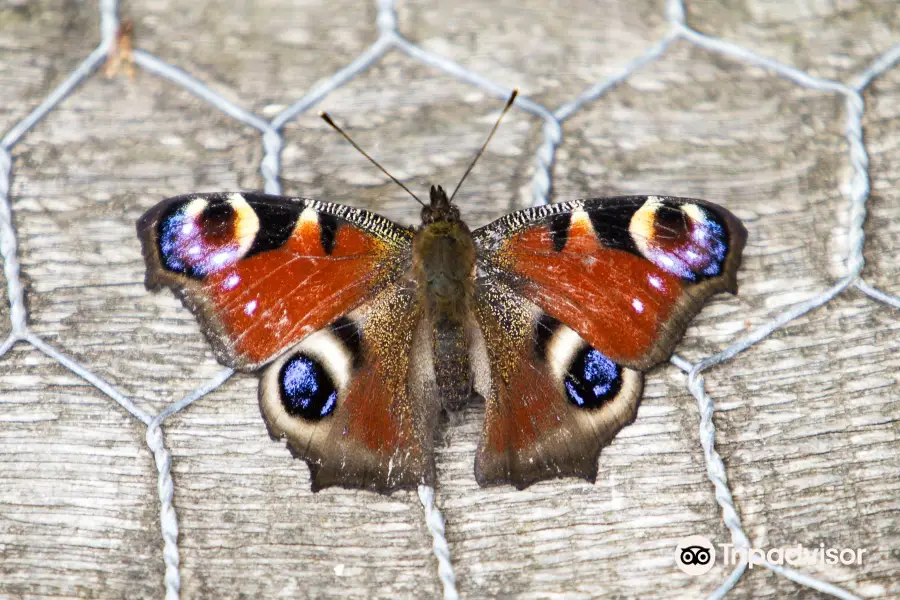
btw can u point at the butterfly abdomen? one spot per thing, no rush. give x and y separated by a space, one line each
444 263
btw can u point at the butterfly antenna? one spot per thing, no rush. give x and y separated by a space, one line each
509 103
327 118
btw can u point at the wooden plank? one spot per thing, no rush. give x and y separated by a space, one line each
807 421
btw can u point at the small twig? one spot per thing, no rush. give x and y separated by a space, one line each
121 54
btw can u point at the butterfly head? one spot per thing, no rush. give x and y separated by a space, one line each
440 209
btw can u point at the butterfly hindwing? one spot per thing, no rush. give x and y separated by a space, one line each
552 402
626 273
262 272
354 399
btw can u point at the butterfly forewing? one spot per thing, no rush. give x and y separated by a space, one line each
626 273
262 272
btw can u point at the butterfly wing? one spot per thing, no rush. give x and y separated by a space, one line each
355 399
262 272
323 290
589 294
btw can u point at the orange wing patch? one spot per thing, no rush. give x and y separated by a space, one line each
619 302
269 301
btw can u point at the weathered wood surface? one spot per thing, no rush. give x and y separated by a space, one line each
808 421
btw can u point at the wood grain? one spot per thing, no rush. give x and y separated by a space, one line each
808 421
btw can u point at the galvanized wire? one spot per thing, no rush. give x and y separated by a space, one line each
272 141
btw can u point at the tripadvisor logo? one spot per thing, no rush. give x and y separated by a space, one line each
696 555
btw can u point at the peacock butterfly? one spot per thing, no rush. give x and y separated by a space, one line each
365 329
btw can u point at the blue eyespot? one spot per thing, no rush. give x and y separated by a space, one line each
714 243
592 379
169 233
197 245
306 389
690 248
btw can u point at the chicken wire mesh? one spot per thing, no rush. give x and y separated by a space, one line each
271 128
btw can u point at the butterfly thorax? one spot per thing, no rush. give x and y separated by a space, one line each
444 260
444 268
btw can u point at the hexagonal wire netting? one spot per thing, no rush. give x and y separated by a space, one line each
391 39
